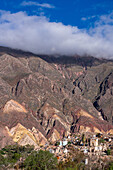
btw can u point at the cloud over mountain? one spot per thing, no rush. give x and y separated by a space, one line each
38 35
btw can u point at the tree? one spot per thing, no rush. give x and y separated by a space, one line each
11 154
1 160
57 143
101 140
108 152
83 138
43 160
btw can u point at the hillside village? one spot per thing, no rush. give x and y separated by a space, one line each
94 147
80 150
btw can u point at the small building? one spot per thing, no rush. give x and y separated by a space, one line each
65 142
109 140
68 137
57 150
94 142
86 161
96 148
60 143
51 150
100 148
85 151
65 151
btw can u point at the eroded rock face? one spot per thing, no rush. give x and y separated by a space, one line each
55 96
19 132
54 136
12 106
86 124
19 125
24 136
5 139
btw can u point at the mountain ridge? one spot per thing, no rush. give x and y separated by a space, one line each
59 94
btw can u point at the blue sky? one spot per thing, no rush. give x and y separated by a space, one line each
83 27
69 12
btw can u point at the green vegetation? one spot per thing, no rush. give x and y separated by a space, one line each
43 160
83 138
101 140
75 161
110 166
70 165
11 154
25 157
57 143
69 143
108 152
98 135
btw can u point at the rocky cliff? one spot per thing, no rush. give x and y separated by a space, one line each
43 98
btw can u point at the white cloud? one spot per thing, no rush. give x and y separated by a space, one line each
38 35
32 3
88 18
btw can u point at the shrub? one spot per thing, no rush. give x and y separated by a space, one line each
41 161
108 152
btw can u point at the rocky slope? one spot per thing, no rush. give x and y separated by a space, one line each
46 97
